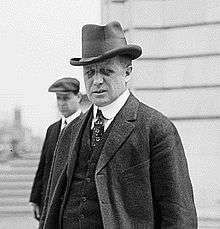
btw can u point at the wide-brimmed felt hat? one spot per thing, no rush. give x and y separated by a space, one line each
102 42
65 85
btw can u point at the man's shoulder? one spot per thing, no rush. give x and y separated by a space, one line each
155 119
54 125
151 112
144 112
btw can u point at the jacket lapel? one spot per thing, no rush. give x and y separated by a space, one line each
74 148
57 129
61 155
121 129
54 134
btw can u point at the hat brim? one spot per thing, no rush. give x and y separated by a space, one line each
133 51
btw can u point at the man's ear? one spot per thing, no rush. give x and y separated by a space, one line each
128 73
128 70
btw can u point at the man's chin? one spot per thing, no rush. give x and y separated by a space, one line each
65 114
100 103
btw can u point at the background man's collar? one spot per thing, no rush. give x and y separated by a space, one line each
71 117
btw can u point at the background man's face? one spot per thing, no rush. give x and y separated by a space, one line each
68 103
104 81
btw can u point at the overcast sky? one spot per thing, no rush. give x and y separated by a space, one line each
37 40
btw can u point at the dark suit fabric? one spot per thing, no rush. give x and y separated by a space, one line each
81 210
141 178
41 178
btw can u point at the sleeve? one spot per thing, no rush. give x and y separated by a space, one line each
37 186
171 186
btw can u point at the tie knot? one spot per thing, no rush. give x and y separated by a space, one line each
99 114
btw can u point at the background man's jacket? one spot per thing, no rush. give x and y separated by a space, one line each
141 177
42 175
41 178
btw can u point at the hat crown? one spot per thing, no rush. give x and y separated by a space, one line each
103 42
66 84
97 40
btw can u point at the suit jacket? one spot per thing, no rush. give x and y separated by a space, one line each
39 186
41 178
141 177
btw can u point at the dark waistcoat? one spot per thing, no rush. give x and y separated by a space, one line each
82 206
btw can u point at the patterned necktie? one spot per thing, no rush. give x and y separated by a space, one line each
98 128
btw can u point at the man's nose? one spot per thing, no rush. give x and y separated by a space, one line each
62 102
98 79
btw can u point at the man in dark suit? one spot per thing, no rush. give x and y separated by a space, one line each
68 98
126 166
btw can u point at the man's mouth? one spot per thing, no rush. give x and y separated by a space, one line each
99 91
64 109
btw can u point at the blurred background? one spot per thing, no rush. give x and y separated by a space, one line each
177 74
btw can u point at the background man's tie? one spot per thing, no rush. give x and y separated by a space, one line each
63 128
65 124
98 128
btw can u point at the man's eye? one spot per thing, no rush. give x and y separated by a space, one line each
63 99
90 73
106 72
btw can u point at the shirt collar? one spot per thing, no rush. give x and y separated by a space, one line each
111 110
71 117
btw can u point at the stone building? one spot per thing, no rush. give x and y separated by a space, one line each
178 74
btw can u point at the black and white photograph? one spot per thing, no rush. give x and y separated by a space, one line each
110 114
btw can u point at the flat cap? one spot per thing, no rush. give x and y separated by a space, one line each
66 84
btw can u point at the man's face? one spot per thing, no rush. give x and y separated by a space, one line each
105 81
68 103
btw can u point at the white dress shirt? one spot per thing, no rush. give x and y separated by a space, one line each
69 119
110 111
